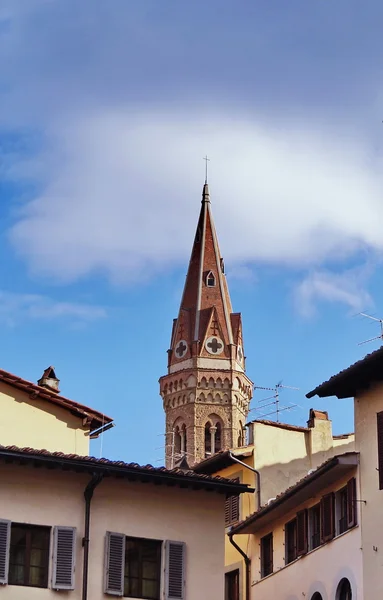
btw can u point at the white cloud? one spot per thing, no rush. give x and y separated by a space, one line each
16 308
122 195
117 188
323 286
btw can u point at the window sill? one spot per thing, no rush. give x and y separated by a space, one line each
293 562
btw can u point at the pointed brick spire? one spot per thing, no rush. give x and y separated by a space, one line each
204 326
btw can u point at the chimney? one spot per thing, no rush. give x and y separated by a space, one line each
320 431
49 380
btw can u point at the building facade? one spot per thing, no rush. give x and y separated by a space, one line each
307 542
282 454
93 528
206 393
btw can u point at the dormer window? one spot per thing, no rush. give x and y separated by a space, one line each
210 279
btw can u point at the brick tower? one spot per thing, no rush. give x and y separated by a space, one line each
206 393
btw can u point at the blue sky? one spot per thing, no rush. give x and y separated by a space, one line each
106 110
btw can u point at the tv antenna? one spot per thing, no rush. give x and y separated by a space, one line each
275 400
378 337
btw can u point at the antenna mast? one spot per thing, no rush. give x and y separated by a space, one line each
378 337
275 400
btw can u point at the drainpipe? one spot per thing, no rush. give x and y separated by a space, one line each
258 492
88 494
258 476
247 565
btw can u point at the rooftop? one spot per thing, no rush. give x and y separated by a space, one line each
94 418
120 469
356 378
327 473
222 459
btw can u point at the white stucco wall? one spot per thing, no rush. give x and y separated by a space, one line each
43 497
366 408
319 571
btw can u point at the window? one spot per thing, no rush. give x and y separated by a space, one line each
266 555
344 591
314 527
210 279
291 541
29 555
133 567
341 501
327 518
379 417
232 508
317 596
302 537
180 440
213 437
345 507
232 585
142 568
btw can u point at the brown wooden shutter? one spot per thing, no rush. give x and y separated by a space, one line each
351 503
174 570
380 448
114 563
64 554
302 537
232 508
327 517
5 540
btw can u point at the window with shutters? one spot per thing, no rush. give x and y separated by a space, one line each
345 507
29 555
267 555
314 527
327 517
64 552
291 541
142 572
232 508
232 585
133 567
302 533
379 417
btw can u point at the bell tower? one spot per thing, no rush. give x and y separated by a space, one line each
206 393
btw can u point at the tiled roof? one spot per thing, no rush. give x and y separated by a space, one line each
96 419
356 377
277 424
325 466
121 468
221 460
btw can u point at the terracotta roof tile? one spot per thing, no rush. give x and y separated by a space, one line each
132 467
96 418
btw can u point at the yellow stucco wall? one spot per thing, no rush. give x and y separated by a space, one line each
196 517
39 424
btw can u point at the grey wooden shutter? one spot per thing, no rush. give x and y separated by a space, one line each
328 517
5 540
351 503
380 447
114 563
302 537
174 570
64 556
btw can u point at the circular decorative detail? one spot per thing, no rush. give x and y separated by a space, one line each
214 345
181 349
240 354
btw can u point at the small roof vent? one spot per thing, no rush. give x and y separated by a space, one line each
49 380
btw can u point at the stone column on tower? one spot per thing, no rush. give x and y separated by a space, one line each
206 393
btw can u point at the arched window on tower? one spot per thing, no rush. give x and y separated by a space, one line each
218 437
177 441
210 279
180 440
213 436
208 439
241 436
